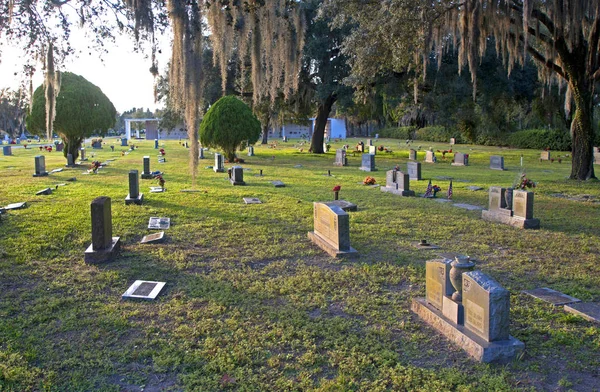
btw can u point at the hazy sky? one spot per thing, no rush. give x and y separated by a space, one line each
123 75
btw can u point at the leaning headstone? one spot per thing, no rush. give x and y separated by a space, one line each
430 157
219 166
7 150
82 156
104 246
143 289
40 166
461 159
414 170
250 151
340 158
134 196
368 163
372 150
545 156
332 230
147 174
397 183
497 162
70 160
47 191
412 154
237 176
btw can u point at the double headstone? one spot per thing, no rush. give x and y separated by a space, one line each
134 195
124 142
368 163
545 156
412 154
7 150
397 183
516 211
461 159
430 156
414 170
40 166
237 176
219 166
250 151
104 246
82 156
497 162
331 230
340 158
146 173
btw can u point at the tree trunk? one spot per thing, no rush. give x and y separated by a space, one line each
316 145
72 147
582 134
265 129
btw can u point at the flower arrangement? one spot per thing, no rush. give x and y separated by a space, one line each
524 183
369 181
436 189
162 152
337 188
95 166
161 180
380 148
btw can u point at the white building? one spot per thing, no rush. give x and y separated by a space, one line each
335 129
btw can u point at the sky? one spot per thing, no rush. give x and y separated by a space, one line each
123 75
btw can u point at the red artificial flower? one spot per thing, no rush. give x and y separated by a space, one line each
337 188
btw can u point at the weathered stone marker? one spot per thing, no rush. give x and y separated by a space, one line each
70 161
237 176
520 214
397 183
219 166
477 320
147 174
60 147
124 142
368 163
7 150
461 159
545 156
412 154
250 151
332 230
82 156
496 162
340 158
40 166
452 141
414 170
430 157
134 195
104 246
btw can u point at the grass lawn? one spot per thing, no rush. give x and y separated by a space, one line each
252 305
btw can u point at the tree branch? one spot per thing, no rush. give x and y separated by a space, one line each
593 38
541 59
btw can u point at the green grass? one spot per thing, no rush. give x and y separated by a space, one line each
252 305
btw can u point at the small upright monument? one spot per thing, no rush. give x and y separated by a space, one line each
147 174
496 162
236 175
332 230
104 246
412 154
134 196
461 159
82 156
430 156
340 158
414 170
397 183
7 150
70 161
368 163
250 151
219 166
40 166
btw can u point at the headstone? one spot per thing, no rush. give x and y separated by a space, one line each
147 174
372 150
219 166
156 144
40 166
461 159
82 156
153 238
252 200
397 183
498 211
134 195
97 144
429 156
47 191
486 306
437 282
340 158
201 153
414 170
60 147
70 160
124 142
250 151
368 163
143 289
554 297
412 154
7 150
452 141
15 206
278 184
332 230
497 198
545 156
237 176
104 246
156 223
523 204
370 142
496 162
325 146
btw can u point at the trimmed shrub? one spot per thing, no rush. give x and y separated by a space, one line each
540 139
401 133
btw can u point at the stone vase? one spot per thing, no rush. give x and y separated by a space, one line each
508 197
460 265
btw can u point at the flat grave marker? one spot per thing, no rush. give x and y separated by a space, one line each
252 200
554 297
143 289
588 310
156 223
278 184
15 206
153 238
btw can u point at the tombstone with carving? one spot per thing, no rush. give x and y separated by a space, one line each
516 211
397 183
332 230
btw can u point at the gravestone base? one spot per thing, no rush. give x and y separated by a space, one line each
505 217
233 182
147 176
100 256
367 169
136 200
343 204
502 351
327 247
42 174
395 191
